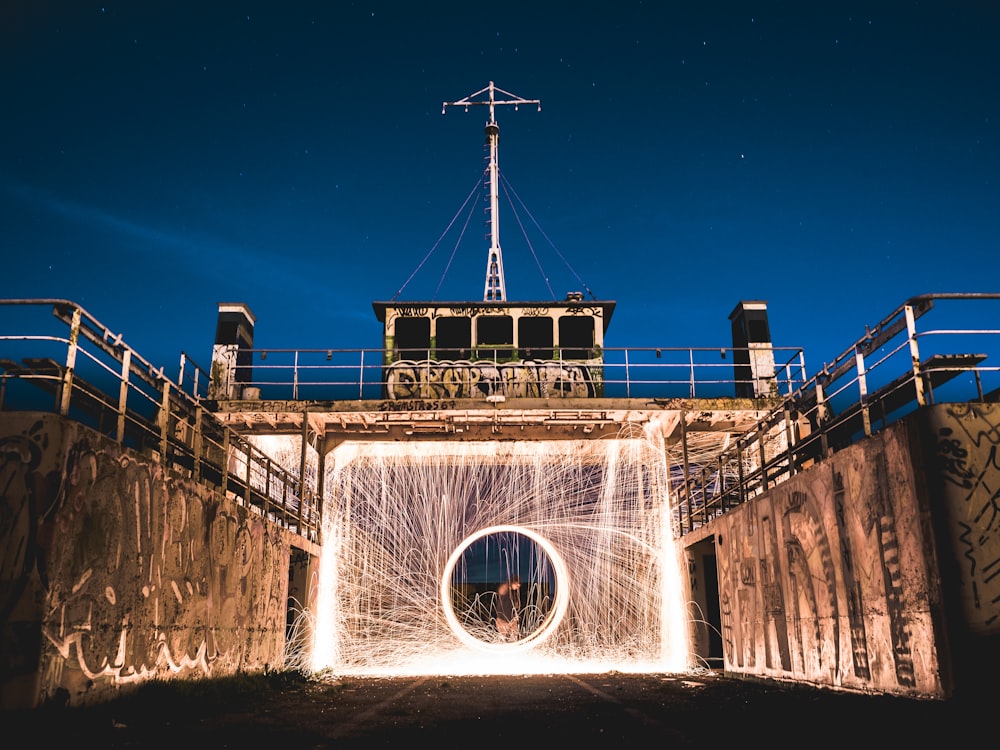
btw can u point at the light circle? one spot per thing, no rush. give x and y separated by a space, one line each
539 635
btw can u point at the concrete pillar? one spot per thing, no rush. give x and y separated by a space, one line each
753 355
232 356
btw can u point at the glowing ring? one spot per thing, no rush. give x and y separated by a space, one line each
555 617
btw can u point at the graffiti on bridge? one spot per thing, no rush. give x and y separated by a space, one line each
137 572
437 379
966 452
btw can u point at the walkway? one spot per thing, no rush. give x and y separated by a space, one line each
701 710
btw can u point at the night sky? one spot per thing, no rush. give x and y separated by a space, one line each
831 158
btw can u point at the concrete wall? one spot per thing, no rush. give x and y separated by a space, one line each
114 570
964 483
962 442
874 570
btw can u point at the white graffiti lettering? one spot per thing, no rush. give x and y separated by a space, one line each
449 379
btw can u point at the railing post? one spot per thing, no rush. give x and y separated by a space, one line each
739 472
911 334
687 475
722 486
123 395
790 441
763 458
180 373
74 342
866 418
704 494
226 432
267 485
163 420
822 416
302 467
285 488
317 501
691 360
295 376
247 451
361 377
198 442
628 386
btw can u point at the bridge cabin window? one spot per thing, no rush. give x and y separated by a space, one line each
576 337
413 338
454 338
495 337
534 338
469 332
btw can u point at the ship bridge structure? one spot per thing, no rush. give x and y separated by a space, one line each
815 515
539 451
830 529
497 371
371 511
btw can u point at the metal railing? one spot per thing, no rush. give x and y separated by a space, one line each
635 372
76 367
898 366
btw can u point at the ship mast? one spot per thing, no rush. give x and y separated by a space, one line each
495 288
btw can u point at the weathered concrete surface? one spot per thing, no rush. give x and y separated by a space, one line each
114 570
463 420
873 570
962 441
701 710
830 578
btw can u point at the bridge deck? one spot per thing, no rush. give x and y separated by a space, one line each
471 420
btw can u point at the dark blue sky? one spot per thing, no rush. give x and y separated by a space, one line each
831 158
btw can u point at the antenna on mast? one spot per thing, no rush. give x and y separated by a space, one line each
495 289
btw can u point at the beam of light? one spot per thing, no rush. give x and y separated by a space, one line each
399 518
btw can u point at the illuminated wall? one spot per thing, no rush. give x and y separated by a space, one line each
872 570
113 570
963 440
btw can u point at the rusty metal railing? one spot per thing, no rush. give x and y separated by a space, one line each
74 366
77 367
908 360
633 372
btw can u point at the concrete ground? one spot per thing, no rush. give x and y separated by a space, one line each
700 709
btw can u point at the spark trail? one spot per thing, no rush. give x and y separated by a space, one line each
417 537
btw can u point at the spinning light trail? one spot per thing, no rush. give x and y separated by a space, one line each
418 536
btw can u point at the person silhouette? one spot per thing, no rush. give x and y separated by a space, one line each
508 604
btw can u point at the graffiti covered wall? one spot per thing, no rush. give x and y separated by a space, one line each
967 472
831 578
113 570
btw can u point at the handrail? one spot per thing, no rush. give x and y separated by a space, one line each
74 373
896 367
325 374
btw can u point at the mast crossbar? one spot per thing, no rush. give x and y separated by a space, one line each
495 288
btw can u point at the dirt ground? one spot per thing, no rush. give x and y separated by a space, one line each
701 709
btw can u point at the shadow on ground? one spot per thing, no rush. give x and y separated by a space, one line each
290 710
